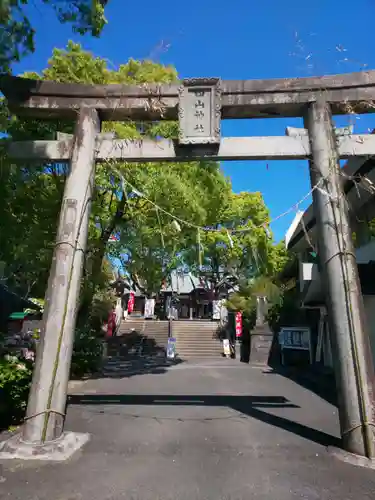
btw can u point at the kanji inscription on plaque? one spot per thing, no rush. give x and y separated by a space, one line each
200 111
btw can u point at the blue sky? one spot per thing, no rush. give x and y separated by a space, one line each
237 40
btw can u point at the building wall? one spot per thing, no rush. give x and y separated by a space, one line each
327 349
366 253
369 302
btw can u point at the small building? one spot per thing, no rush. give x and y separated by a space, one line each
193 297
14 315
359 187
189 297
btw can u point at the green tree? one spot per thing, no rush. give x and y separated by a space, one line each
31 194
17 36
236 243
244 299
151 244
29 205
189 191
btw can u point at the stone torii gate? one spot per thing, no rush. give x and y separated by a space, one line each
199 105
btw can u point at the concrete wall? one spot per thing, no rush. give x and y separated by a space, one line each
369 303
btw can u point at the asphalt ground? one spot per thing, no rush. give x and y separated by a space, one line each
207 430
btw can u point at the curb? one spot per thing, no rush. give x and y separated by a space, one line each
351 458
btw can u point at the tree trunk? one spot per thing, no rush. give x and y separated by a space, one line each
93 277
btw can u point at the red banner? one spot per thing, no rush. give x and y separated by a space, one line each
111 325
131 302
239 324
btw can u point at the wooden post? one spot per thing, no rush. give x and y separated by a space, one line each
352 354
46 407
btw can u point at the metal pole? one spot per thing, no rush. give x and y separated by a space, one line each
47 400
352 356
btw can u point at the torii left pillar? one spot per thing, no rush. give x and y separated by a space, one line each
42 434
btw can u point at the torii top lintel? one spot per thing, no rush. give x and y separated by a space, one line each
239 98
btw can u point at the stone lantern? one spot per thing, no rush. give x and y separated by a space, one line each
261 336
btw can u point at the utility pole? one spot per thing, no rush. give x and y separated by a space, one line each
46 407
352 352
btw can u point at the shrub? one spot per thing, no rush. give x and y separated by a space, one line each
16 372
87 352
15 381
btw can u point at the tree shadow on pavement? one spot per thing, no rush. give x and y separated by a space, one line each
322 384
135 365
252 406
134 354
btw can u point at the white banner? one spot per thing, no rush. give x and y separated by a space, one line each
219 311
149 308
216 306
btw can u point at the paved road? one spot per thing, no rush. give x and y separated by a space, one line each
208 431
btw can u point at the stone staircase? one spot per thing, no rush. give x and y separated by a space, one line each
140 337
196 339
149 338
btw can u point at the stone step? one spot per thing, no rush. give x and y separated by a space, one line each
208 333
194 324
124 331
198 342
199 355
199 347
144 333
138 336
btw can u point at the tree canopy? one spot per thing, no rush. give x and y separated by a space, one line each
17 35
32 193
155 208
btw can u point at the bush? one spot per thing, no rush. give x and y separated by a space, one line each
100 308
15 381
87 352
16 373
287 312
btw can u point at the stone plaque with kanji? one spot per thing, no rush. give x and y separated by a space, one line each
200 111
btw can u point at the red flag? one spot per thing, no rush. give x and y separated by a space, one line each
131 302
111 325
238 324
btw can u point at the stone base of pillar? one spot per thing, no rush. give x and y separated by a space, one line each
237 350
54 451
261 344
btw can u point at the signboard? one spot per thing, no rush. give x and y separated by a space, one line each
171 348
297 338
238 324
199 111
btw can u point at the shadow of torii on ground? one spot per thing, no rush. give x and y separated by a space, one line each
252 406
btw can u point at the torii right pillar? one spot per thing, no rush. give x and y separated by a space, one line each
354 369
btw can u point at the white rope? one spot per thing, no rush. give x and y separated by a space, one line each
293 208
